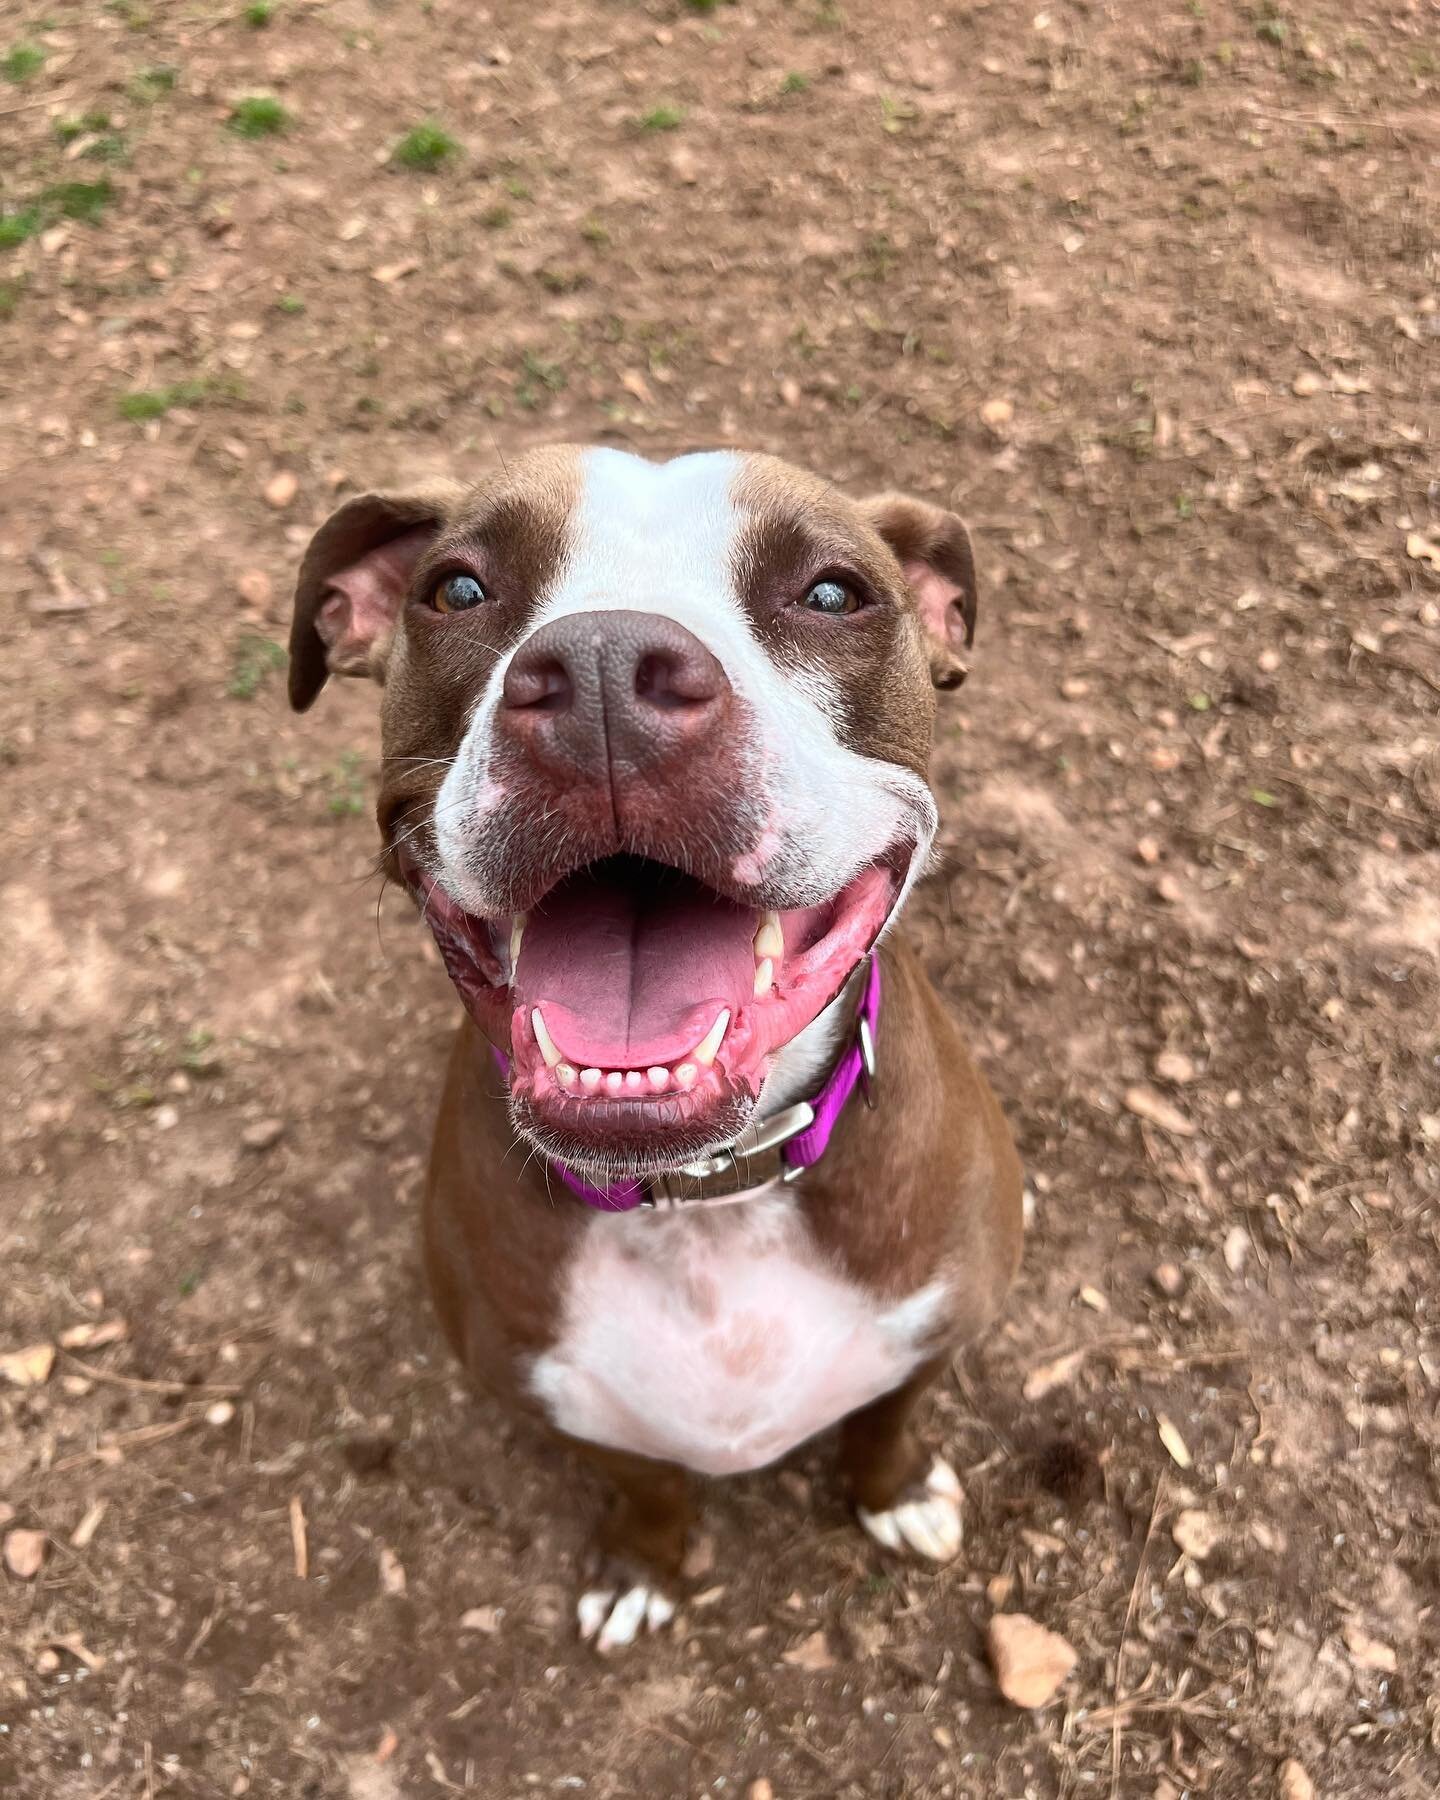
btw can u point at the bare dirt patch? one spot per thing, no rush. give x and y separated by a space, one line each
1193 822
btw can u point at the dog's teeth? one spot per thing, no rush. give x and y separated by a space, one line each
564 1074
634 1081
544 1039
704 1051
590 1079
764 977
659 1078
517 932
769 939
685 1075
614 1082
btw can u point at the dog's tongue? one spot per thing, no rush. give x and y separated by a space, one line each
629 969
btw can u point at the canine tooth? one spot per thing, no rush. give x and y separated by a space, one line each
565 1075
614 1082
764 977
543 1038
634 1081
659 1078
517 931
704 1051
685 1075
590 1079
769 939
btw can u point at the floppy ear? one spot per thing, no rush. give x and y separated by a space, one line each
353 582
933 548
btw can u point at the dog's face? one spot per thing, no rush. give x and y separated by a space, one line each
655 740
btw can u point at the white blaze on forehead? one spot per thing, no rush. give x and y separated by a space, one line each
663 538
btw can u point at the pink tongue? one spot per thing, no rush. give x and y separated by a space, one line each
630 964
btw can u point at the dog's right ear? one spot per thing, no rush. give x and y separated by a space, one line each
353 582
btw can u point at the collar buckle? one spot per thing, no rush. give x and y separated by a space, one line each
739 1168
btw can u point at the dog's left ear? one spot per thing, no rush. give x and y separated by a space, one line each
933 548
353 581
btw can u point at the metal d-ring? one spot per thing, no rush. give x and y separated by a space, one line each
865 1043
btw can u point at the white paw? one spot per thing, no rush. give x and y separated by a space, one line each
929 1525
612 1618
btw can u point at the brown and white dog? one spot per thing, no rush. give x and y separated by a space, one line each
655 745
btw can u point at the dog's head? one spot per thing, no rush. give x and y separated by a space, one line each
655 741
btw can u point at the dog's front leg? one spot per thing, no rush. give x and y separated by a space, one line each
906 1498
639 1548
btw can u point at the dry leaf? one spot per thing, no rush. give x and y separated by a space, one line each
24 1553
1173 1442
392 1571
812 1652
281 489
1049 1376
1367 1652
1030 1661
1295 1784
94 1336
1196 1533
29 1367
1155 1109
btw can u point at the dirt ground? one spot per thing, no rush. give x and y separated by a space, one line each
1150 294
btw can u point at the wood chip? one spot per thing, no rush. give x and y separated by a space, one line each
1173 1442
1155 1109
85 1531
392 1571
299 1538
1174 1065
811 1653
1306 383
391 272
1367 1652
1294 1782
29 1367
1196 1533
484 1619
94 1335
24 1553
1051 1375
1030 1661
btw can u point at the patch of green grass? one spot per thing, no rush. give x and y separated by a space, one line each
560 280
21 62
662 118
254 659
83 200
151 84
81 125
595 233
540 378
895 115
424 146
291 305
259 13
197 1055
496 218
142 404
794 83
1271 27
10 292
346 798
16 227
258 116
516 188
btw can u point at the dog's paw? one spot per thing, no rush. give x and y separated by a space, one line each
926 1519
621 1609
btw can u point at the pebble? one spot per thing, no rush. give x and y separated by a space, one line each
1030 1661
264 1134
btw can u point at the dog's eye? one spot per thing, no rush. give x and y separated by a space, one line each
456 593
832 597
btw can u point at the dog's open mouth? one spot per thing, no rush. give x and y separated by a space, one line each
644 1008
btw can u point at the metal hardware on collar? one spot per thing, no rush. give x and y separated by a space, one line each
747 1164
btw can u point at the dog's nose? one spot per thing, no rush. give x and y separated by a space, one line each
630 688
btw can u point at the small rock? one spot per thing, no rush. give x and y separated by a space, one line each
790 391
256 589
1030 1661
1146 1104
1367 1652
24 1553
1196 1533
1169 1278
1147 849
1074 687
996 413
1175 1445
221 1413
484 1619
1237 1248
811 1653
1176 1066
392 1571
760 1790
1306 383
685 165
264 1134
1094 1299
1294 1782
29 1367
281 489
999 1588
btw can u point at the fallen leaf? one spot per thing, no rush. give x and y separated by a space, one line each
1367 1652
392 1571
281 489
29 1367
811 1653
1173 1442
1030 1661
24 1553
1155 1109
1196 1533
1049 1376
1294 1783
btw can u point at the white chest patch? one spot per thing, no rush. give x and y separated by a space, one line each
722 1340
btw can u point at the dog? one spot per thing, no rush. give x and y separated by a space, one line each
655 740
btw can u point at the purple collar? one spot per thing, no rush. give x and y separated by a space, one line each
780 1148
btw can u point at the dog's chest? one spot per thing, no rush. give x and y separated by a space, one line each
720 1340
